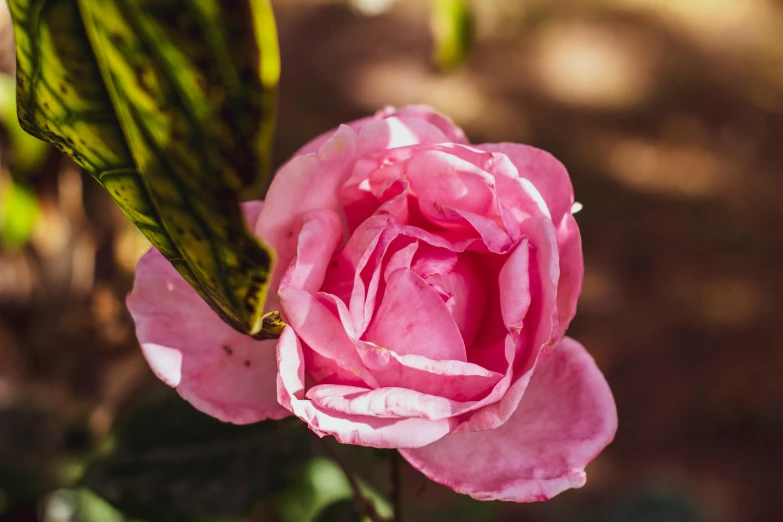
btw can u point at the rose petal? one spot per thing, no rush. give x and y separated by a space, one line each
514 285
393 132
508 351
540 327
320 235
442 179
388 402
378 233
306 183
572 270
323 332
453 133
355 272
493 235
448 131
546 173
456 380
412 318
323 370
467 295
384 403
430 261
348 429
517 198
540 323
220 371
460 189
251 210
566 417
401 259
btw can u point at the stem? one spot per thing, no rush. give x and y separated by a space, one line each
395 462
362 503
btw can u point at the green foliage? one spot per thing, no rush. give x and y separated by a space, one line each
169 104
320 484
19 211
171 463
78 505
452 28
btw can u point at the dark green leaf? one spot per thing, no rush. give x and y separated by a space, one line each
173 463
170 105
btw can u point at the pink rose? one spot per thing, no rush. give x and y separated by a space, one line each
427 285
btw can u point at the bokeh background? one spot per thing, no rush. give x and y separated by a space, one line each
668 115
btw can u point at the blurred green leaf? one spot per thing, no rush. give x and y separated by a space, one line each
27 152
77 505
91 508
169 104
172 463
452 29
19 210
321 484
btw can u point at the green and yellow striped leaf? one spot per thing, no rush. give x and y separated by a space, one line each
169 104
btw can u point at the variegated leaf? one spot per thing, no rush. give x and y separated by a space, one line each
170 105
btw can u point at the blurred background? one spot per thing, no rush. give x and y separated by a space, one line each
668 115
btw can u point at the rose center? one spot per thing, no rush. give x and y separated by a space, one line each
464 295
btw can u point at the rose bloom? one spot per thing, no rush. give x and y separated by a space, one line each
427 285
